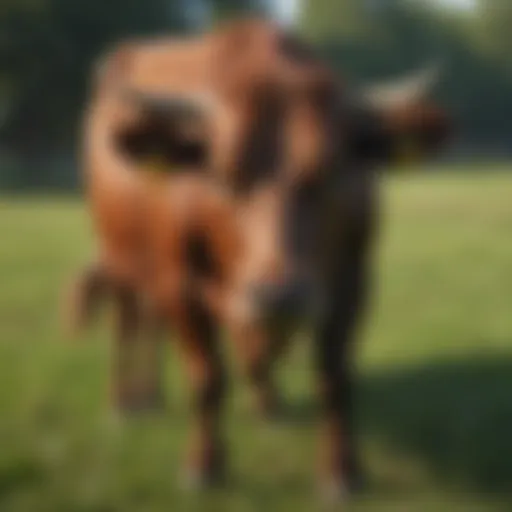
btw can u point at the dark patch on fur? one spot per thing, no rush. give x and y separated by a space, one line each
156 136
200 259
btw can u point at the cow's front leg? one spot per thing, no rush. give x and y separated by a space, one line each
197 335
340 469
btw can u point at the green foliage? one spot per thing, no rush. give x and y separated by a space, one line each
493 24
47 48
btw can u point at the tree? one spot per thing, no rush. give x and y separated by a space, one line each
493 22
367 40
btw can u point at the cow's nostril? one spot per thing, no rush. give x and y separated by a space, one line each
289 299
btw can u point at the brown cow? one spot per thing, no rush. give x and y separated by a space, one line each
296 153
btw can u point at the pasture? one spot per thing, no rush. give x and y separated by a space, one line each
434 387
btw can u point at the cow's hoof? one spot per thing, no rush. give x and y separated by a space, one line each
269 410
128 410
333 491
341 489
205 473
198 479
357 483
152 403
273 415
131 407
125 407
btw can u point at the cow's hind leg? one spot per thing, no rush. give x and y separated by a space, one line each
198 338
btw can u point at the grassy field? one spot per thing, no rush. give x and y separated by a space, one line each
435 387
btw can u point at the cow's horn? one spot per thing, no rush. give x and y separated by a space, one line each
405 91
181 105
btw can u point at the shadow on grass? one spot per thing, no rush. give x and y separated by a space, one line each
18 476
456 417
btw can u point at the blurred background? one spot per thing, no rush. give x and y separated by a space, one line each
47 48
435 386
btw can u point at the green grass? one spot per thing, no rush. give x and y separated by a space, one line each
434 392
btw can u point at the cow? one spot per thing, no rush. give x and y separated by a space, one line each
296 152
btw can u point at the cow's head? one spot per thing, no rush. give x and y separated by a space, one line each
279 131
397 121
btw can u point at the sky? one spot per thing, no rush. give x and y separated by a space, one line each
461 3
286 10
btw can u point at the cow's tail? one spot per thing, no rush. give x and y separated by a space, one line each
83 297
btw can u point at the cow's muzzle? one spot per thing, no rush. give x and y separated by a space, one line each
286 302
